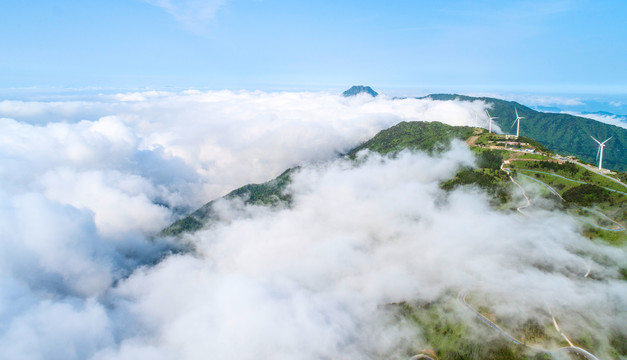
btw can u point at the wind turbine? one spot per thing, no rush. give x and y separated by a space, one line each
517 121
490 117
600 151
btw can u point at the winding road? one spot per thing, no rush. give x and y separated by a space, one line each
594 170
461 297
619 226
573 180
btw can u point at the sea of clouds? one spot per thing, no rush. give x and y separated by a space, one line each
85 186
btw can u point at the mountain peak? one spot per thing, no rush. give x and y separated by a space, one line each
358 89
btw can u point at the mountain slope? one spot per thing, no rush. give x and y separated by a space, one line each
424 136
270 193
415 135
561 133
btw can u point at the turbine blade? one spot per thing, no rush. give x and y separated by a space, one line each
598 142
607 140
514 123
598 152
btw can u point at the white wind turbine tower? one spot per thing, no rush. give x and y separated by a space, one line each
517 121
600 151
490 117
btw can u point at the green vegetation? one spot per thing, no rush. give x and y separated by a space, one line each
565 169
483 139
452 337
447 331
586 195
416 135
580 187
532 156
486 176
570 171
532 332
494 182
614 238
490 160
561 133
271 193
618 341
190 223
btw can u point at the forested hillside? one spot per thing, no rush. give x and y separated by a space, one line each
561 133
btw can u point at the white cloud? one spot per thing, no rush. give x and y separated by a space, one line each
18 108
619 121
536 100
193 14
228 138
140 95
44 239
57 330
120 202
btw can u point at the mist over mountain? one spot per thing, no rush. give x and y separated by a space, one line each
84 276
221 179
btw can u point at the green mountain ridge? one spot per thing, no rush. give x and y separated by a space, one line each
561 133
417 135
424 136
270 193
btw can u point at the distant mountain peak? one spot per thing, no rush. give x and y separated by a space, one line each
359 89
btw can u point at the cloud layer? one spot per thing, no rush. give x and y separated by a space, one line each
226 138
611 119
84 185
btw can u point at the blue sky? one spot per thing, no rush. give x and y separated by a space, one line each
463 46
